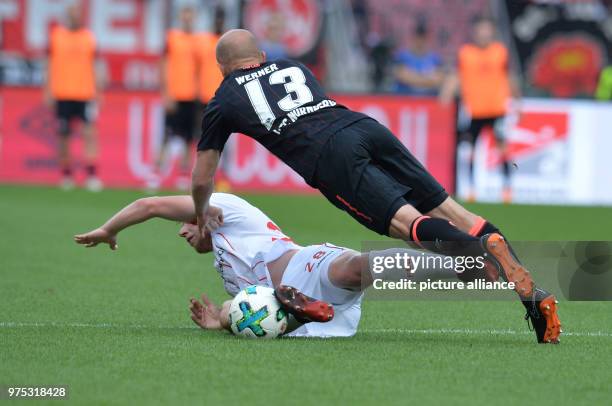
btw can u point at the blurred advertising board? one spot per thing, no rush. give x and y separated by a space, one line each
560 152
130 135
130 37
561 46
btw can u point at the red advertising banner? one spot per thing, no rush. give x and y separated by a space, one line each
130 36
130 134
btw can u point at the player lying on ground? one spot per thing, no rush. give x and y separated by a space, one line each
250 249
356 163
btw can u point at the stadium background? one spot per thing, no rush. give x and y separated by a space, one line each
114 326
558 48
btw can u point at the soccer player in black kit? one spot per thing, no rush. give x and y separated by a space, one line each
356 163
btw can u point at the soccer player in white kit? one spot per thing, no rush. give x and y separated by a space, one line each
250 249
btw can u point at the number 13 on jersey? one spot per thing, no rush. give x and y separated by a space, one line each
297 94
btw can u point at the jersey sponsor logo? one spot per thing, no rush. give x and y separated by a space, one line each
302 111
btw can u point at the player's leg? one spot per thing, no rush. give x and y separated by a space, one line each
473 132
455 231
90 137
186 113
499 131
367 172
461 217
356 271
305 290
307 275
62 113
161 160
539 304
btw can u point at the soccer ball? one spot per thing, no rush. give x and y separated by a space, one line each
255 312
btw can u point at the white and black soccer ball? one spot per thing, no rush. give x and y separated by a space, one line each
255 312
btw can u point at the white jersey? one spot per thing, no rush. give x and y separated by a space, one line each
245 243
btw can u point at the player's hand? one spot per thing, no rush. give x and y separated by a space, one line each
201 220
97 236
205 314
214 218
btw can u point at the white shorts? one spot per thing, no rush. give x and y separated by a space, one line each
308 271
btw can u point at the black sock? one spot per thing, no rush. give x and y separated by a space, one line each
484 227
90 170
441 236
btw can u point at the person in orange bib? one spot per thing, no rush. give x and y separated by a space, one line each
486 85
209 74
70 88
179 91
210 77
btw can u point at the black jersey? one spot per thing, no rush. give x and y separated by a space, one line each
281 105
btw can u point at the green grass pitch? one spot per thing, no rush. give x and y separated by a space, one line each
115 326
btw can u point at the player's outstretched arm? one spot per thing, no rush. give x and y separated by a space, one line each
175 208
202 182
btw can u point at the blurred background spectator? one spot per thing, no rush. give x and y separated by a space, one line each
486 86
70 89
179 92
380 48
360 49
209 76
272 43
190 78
417 69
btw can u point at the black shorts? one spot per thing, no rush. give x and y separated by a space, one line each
367 172
67 110
182 121
496 124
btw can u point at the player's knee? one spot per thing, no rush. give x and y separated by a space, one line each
401 222
458 215
346 272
